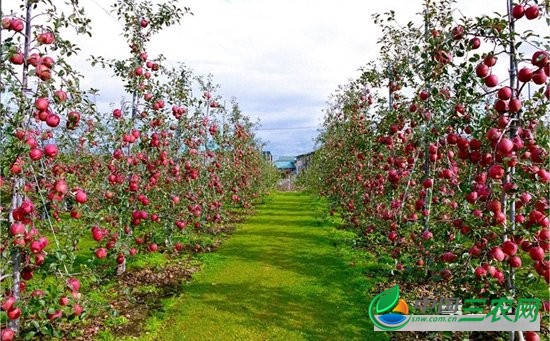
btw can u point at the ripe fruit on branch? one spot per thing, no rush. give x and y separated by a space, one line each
496 172
482 70
73 284
60 96
8 303
480 272
514 261
45 38
52 120
80 196
101 253
518 11
505 93
491 81
505 146
536 253
7 334
501 106
525 74
14 313
514 105
509 247
540 58
490 60
35 154
41 103
97 233
457 32
424 95
497 254
17 58
16 24
475 43
532 12
539 77
51 150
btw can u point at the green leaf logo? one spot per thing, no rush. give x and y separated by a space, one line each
387 300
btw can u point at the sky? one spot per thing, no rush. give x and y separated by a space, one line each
281 59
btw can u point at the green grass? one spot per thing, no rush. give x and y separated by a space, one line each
285 274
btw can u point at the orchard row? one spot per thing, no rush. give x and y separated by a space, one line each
438 154
162 166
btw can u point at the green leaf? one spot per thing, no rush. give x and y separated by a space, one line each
30 335
387 299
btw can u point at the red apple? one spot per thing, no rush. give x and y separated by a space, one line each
16 24
510 248
7 334
60 96
496 172
73 284
101 253
81 196
514 105
117 113
17 58
525 74
536 253
35 154
52 120
532 12
14 313
491 81
56 315
501 106
505 146
482 70
505 93
446 274
480 272
494 206
497 254
518 11
48 62
475 251
457 32
490 60
17 229
77 309
63 301
51 150
45 38
428 183
424 95
532 336
539 77
42 103
8 303
475 43
36 246
540 58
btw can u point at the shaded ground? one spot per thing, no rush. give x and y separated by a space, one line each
279 277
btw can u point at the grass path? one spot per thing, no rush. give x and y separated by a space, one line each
279 277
